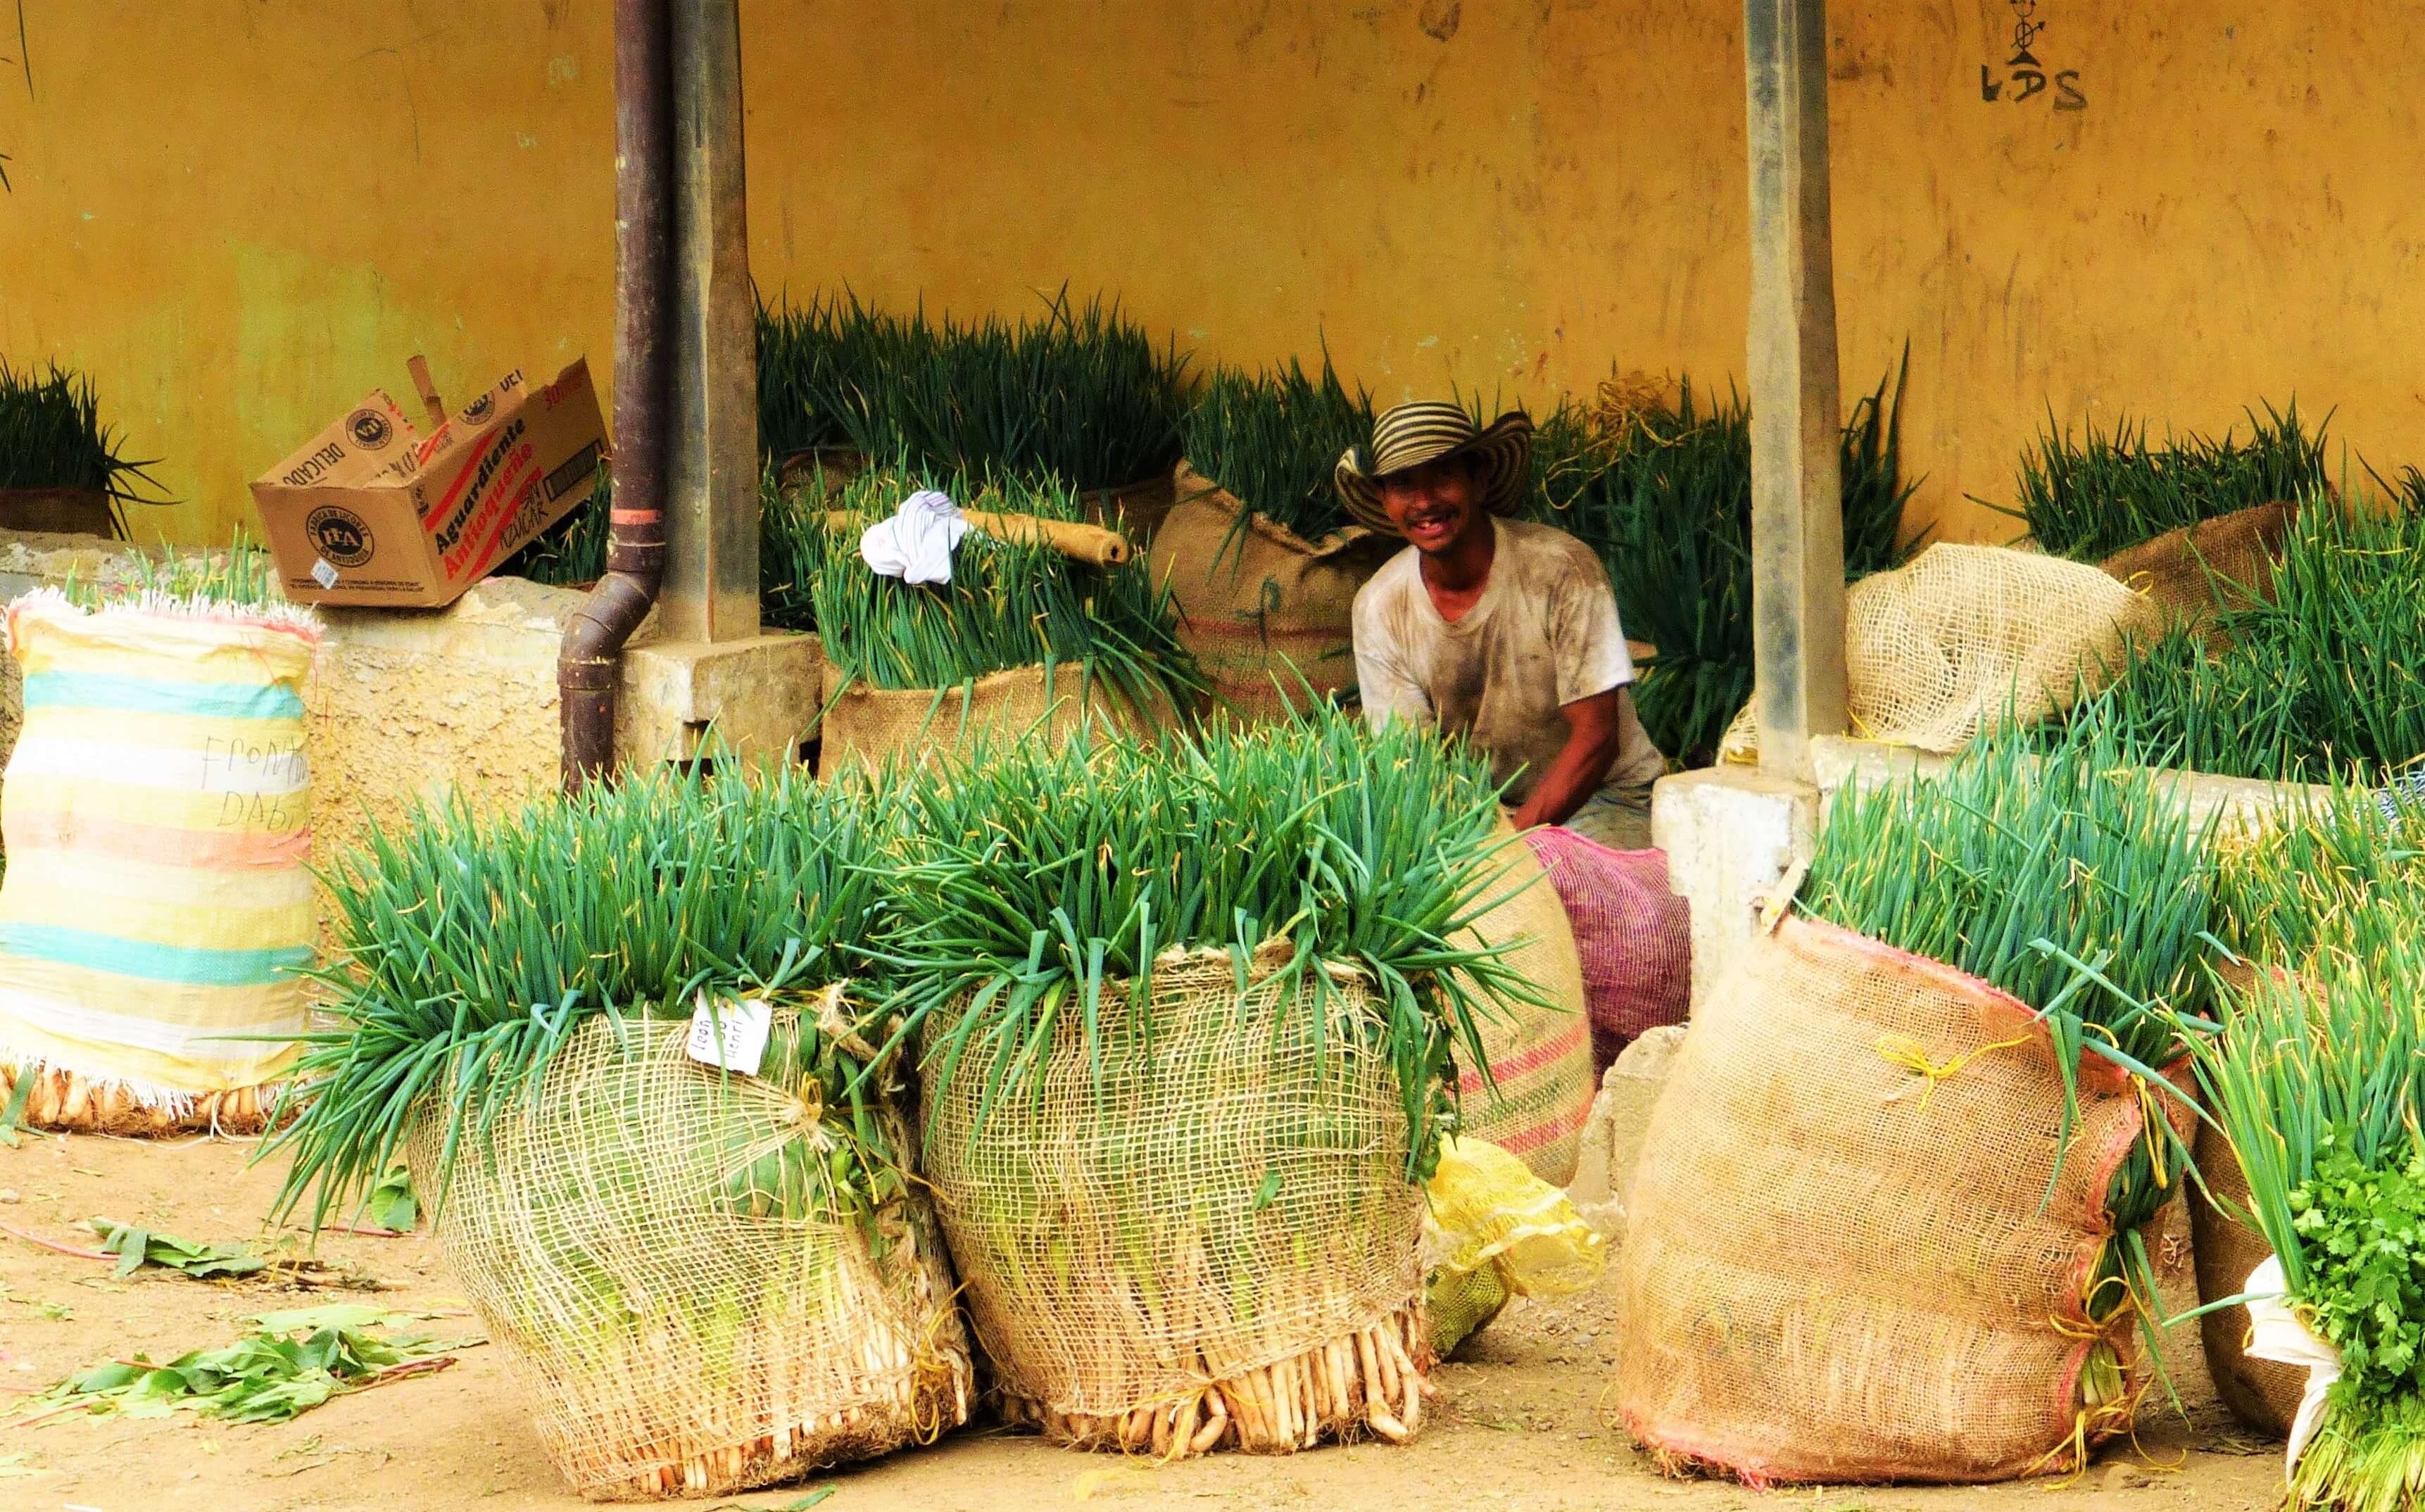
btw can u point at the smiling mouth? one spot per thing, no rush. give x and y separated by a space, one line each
1429 523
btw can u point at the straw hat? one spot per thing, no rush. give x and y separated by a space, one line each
1410 435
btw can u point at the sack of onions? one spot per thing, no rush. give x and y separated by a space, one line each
1188 1024
615 1039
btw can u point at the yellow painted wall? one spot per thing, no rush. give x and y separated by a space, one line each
240 213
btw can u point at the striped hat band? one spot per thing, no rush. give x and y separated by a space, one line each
1410 435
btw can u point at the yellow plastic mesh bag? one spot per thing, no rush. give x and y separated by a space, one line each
1216 1244
1937 651
1494 1231
627 1235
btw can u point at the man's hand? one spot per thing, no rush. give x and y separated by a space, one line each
1582 767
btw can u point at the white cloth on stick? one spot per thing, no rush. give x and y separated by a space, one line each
2277 1334
916 543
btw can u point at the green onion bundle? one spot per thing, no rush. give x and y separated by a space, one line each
1010 604
2071 883
51 437
2318 1078
806 355
1189 1020
1666 504
1273 440
711 1277
2323 681
2112 489
469 950
1041 877
1080 393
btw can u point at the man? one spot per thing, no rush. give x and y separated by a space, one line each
1496 629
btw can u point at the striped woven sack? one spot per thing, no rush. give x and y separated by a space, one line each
157 813
1541 1084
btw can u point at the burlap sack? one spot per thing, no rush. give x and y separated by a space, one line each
1840 1270
1540 1058
867 726
1215 1246
2261 1394
669 1342
1633 936
1266 603
2222 563
1136 509
1938 651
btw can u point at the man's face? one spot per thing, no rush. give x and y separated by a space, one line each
1434 504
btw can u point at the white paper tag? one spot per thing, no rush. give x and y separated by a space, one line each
741 1045
323 573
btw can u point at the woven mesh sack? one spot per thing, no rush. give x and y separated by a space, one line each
866 726
1215 1246
1541 1083
2191 573
632 1235
1262 603
157 905
1837 1269
1939 649
1634 938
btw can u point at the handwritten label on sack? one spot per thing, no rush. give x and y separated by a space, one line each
730 1034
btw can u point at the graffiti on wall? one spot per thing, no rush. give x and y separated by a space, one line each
2025 78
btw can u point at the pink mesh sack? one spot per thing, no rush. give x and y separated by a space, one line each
1636 937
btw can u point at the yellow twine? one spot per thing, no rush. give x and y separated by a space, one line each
1909 1053
2153 1117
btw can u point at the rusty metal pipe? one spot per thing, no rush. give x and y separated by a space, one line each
589 663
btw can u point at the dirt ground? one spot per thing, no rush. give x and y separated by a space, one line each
1518 1423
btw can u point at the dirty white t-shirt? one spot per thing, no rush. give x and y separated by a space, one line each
1543 634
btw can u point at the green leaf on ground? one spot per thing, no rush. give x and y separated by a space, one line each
269 1375
392 1204
137 1248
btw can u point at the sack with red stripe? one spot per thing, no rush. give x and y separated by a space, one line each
1633 936
156 906
1540 1090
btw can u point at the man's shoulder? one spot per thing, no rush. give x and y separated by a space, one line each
1401 574
1550 554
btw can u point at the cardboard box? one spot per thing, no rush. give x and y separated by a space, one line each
372 512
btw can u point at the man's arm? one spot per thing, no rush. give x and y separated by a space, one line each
1593 732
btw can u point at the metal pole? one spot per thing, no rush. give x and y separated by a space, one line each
589 663
1797 496
711 591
